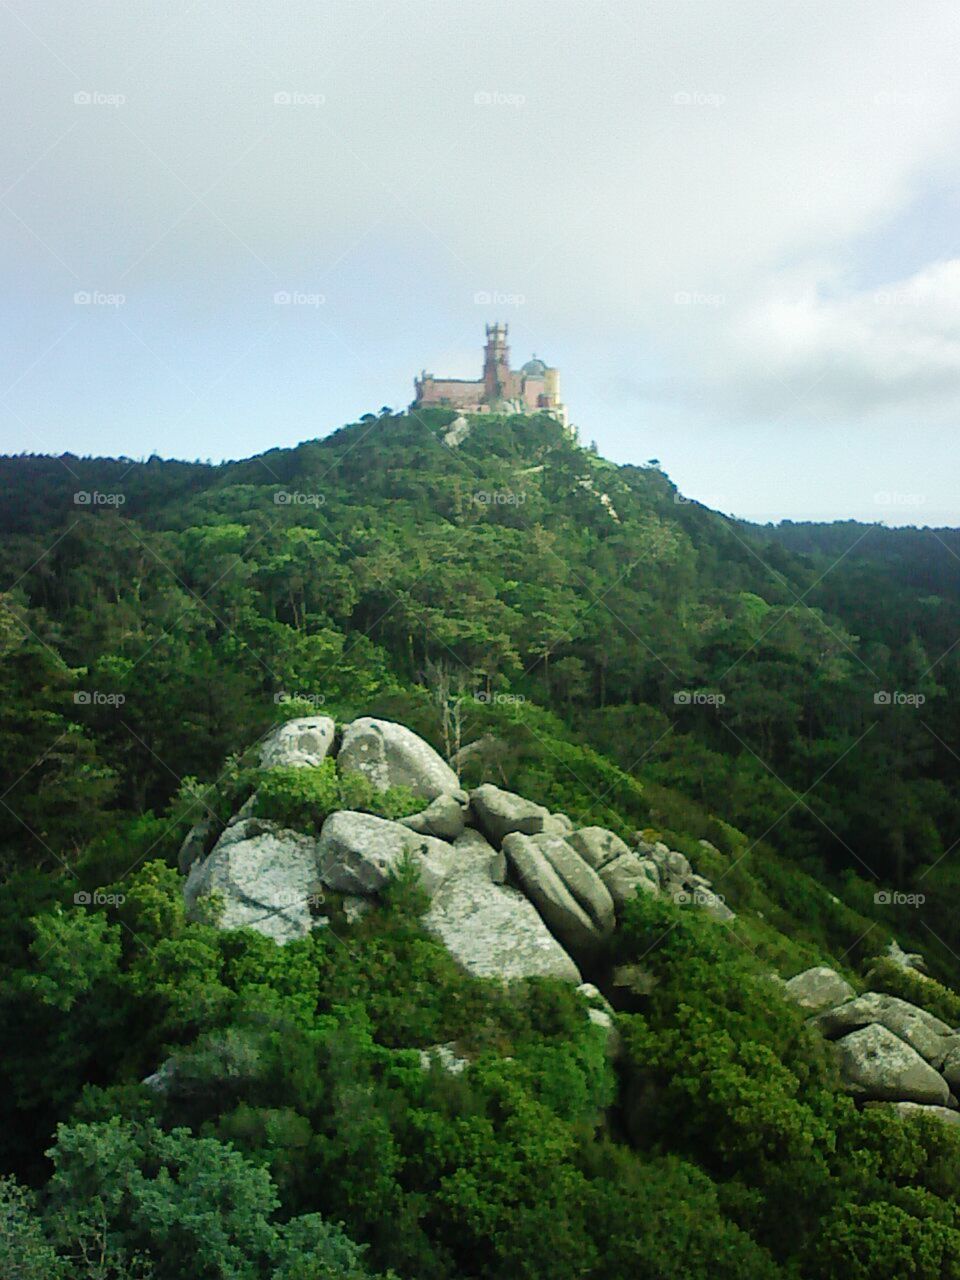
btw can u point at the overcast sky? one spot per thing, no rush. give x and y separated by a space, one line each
731 223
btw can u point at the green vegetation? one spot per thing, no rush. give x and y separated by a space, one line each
303 798
576 657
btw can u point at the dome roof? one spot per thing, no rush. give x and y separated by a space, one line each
534 368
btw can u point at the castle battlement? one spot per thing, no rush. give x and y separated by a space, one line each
533 388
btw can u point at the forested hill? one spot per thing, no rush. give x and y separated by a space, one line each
729 667
203 1072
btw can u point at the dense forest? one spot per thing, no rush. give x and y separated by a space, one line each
575 631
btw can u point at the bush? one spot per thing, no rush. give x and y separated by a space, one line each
303 798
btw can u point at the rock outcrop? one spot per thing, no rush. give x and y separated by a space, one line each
598 846
565 886
929 1036
628 874
265 878
495 932
878 1065
304 743
391 755
500 813
546 889
818 988
443 818
358 853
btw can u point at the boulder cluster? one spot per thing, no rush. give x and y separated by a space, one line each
514 890
888 1050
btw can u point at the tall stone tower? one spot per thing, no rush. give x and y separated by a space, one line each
496 363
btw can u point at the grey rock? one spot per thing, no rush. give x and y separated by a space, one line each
494 932
597 846
194 846
604 1020
557 824
929 1036
358 853
355 907
265 877
908 1110
491 862
672 865
627 875
563 915
443 818
950 1067
594 996
303 742
390 755
580 878
874 1063
818 988
911 960
499 813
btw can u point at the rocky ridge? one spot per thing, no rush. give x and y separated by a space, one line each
516 891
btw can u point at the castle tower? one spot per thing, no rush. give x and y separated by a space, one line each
496 363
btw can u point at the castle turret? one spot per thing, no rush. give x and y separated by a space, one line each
496 362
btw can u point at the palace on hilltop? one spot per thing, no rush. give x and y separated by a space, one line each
533 388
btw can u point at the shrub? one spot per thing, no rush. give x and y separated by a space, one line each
303 798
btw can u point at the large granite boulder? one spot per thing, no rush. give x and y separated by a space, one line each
581 879
563 914
475 852
303 742
950 1067
358 853
390 755
929 1036
877 1064
911 1110
494 932
818 988
499 813
264 876
597 846
627 875
443 818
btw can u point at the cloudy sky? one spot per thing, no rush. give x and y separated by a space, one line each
731 223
